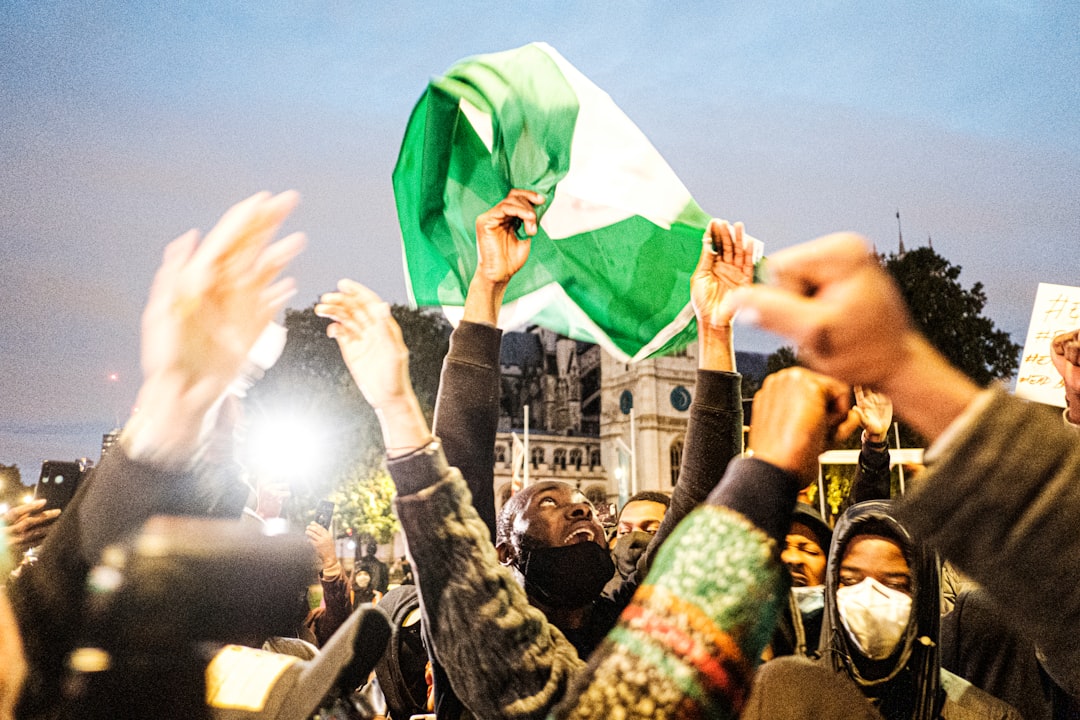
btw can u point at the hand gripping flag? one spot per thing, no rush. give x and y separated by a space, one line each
619 234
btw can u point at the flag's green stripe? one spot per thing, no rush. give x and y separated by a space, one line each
445 176
632 278
533 110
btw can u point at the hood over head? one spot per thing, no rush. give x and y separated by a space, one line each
908 680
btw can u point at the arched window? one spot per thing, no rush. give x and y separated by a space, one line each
594 458
537 456
559 458
500 453
676 459
575 458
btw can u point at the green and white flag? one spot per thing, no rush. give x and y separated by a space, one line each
619 234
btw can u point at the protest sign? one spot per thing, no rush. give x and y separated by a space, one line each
1056 310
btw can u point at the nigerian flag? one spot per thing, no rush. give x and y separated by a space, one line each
619 234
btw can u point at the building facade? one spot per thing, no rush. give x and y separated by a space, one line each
579 401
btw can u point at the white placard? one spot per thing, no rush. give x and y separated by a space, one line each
1056 310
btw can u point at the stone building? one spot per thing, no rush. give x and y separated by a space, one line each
580 401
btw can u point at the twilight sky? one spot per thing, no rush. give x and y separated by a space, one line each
123 124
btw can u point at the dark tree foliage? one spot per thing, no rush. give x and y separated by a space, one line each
11 487
784 357
951 317
310 380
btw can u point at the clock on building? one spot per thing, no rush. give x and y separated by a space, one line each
680 398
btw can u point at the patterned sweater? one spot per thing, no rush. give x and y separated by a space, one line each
685 647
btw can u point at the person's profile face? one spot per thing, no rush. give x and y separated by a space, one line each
878 557
803 556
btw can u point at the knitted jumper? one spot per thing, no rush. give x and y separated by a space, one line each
687 644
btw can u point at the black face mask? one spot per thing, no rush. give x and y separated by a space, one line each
570 576
628 549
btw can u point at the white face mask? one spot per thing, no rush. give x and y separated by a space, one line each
875 616
810 598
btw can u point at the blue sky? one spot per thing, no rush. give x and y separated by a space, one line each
123 124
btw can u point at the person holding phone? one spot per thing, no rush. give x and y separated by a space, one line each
336 604
27 525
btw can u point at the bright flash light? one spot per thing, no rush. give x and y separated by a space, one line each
286 448
28 497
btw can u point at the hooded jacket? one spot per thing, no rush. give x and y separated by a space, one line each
907 683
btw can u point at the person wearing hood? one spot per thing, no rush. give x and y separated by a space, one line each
503 656
807 544
880 631
805 553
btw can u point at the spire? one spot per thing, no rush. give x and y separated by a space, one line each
930 242
899 232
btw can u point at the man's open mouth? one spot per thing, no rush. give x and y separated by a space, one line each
579 536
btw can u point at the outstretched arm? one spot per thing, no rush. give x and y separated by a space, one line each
833 299
999 494
500 254
714 434
208 303
506 661
467 409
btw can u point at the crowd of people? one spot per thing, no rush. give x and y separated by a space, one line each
730 597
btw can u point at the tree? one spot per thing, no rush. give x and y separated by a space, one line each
311 385
365 503
951 317
784 357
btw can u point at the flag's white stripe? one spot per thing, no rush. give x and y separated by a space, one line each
552 298
480 121
615 172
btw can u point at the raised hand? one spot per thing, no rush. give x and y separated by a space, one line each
208 304
795 414
371 345
1065 352
874 411
27 524
323 542
500 253
726 263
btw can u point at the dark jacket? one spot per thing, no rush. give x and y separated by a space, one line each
909 684
1000 499
466 422
979 644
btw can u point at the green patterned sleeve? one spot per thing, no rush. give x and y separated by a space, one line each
687 644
